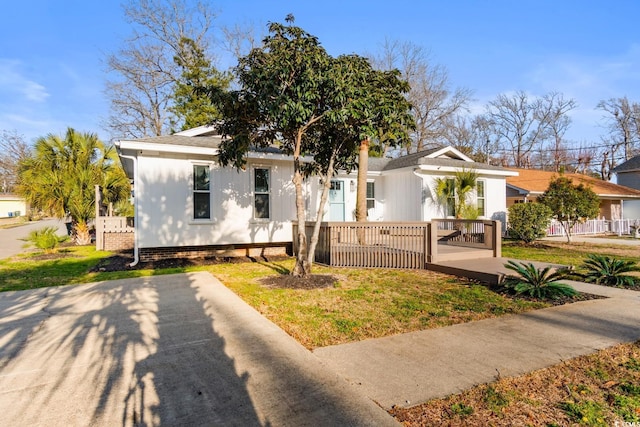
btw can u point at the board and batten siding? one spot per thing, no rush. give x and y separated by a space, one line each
403 192
165 204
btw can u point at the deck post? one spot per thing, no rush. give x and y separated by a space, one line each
496 239
432 235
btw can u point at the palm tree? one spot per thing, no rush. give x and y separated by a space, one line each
60 176
454 192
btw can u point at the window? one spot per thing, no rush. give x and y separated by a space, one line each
201 192
480 198
371 196
261 193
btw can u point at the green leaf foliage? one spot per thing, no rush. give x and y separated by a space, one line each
537 282
192 106
569 203
609 271
529 221
313 106
457 188
46 239
60 176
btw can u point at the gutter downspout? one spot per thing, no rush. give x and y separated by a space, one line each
136 257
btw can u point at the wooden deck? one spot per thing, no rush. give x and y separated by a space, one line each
486 270
404 244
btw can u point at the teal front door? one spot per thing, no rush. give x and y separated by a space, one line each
336 201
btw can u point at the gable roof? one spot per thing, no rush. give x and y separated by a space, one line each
631 165
435 157
535 182
205 140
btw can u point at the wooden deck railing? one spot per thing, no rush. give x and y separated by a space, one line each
400 244
111 224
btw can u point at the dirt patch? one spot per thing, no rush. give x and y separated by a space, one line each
313 281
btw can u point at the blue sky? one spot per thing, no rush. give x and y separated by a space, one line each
52 52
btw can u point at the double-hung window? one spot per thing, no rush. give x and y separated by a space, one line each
480 198
261 193
201 192
371 196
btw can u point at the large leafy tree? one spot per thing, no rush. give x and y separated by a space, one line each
569 203
314 106
191 105
60 176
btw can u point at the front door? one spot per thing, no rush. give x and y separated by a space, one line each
336 201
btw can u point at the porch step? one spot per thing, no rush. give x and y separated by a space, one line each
457 269
461 254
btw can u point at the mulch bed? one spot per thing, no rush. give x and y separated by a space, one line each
313 281
120 262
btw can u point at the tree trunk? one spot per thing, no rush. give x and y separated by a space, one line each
302 267
361 195
323 201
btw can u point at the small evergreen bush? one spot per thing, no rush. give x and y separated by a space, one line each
528 221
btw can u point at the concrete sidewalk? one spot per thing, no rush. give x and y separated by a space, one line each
409 369
164 350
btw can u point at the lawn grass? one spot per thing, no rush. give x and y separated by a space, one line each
70 265
567 254
365 303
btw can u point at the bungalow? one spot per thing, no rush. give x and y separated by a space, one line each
531 183
187 204
628 174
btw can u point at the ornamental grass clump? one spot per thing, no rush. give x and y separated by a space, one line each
608 271
541 283
46 239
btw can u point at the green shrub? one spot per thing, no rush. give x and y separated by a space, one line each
536 282
45 239
529 221
604 270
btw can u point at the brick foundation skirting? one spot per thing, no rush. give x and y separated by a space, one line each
223 251
117 241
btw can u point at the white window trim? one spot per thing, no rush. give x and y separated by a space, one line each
253 194
484 185
375 202
192 219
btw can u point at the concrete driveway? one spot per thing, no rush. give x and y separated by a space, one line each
165 350
11 242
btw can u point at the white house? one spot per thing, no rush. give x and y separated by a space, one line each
12 205
186 203
628 174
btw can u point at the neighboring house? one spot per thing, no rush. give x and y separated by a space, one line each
628 174
12 205
531 183
186 203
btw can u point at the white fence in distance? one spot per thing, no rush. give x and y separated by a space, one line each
620 227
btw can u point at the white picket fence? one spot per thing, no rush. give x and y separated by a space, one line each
593 226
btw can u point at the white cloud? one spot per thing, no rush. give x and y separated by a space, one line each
13 81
